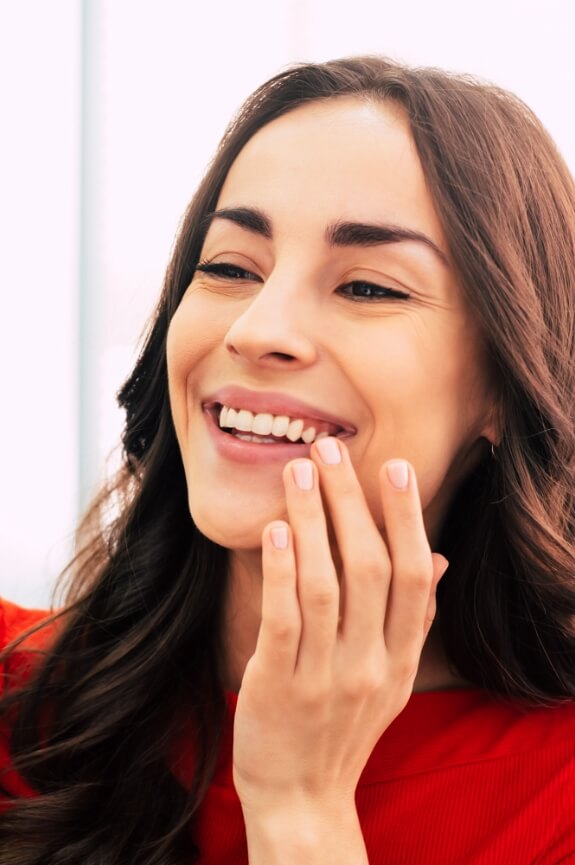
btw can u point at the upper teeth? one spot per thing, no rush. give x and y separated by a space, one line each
268 424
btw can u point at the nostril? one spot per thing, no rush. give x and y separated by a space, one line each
267 350
279 355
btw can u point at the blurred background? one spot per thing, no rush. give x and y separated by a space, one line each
110 111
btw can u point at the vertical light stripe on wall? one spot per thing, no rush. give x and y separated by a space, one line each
90 283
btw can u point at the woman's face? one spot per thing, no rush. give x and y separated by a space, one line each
326 297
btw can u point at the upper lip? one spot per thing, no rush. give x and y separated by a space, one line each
275 403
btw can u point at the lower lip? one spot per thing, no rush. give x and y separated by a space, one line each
239 451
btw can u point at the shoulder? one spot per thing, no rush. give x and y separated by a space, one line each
16 620
484 780
15 665
469 728
36 628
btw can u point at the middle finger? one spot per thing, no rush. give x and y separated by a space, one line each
365 560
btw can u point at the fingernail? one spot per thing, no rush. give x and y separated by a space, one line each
303 474
329 451
398 474
279 537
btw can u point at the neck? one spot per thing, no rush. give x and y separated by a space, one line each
242 618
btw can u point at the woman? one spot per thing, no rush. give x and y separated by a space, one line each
362 354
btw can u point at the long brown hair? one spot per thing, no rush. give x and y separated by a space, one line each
139 642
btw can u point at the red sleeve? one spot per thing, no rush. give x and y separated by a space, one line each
15 620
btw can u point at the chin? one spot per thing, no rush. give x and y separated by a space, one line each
235 525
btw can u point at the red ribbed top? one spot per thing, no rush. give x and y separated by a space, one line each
457 779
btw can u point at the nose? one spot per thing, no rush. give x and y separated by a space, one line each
275 330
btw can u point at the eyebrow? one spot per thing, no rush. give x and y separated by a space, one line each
340 234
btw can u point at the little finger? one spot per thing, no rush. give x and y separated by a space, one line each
411 561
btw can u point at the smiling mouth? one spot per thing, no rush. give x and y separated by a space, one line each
269 429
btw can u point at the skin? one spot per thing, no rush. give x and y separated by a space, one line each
328 651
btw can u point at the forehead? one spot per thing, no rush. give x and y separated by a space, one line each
341 158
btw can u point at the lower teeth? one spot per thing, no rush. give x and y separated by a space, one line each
263 440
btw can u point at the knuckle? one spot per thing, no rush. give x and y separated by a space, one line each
367 681
406 667
322 596
281 630
418 574
352 690
315 694
321 601
361 689
369 568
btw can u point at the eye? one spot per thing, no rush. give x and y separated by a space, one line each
360 291
223 270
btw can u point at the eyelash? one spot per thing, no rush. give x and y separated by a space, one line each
232 272
226 271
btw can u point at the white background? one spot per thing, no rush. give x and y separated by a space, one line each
163 79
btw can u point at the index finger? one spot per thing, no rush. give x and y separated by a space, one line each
280 627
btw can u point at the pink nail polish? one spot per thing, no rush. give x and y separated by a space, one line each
398 474
279 537
303 474
329 451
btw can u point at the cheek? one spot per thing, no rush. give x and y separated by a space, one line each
192 335
189 341
428 404
178 359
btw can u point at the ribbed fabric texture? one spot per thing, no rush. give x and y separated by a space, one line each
457 779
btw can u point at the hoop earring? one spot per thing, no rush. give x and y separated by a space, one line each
493 452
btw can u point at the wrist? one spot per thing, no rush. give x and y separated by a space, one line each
314 833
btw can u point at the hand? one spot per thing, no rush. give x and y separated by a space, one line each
335 660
